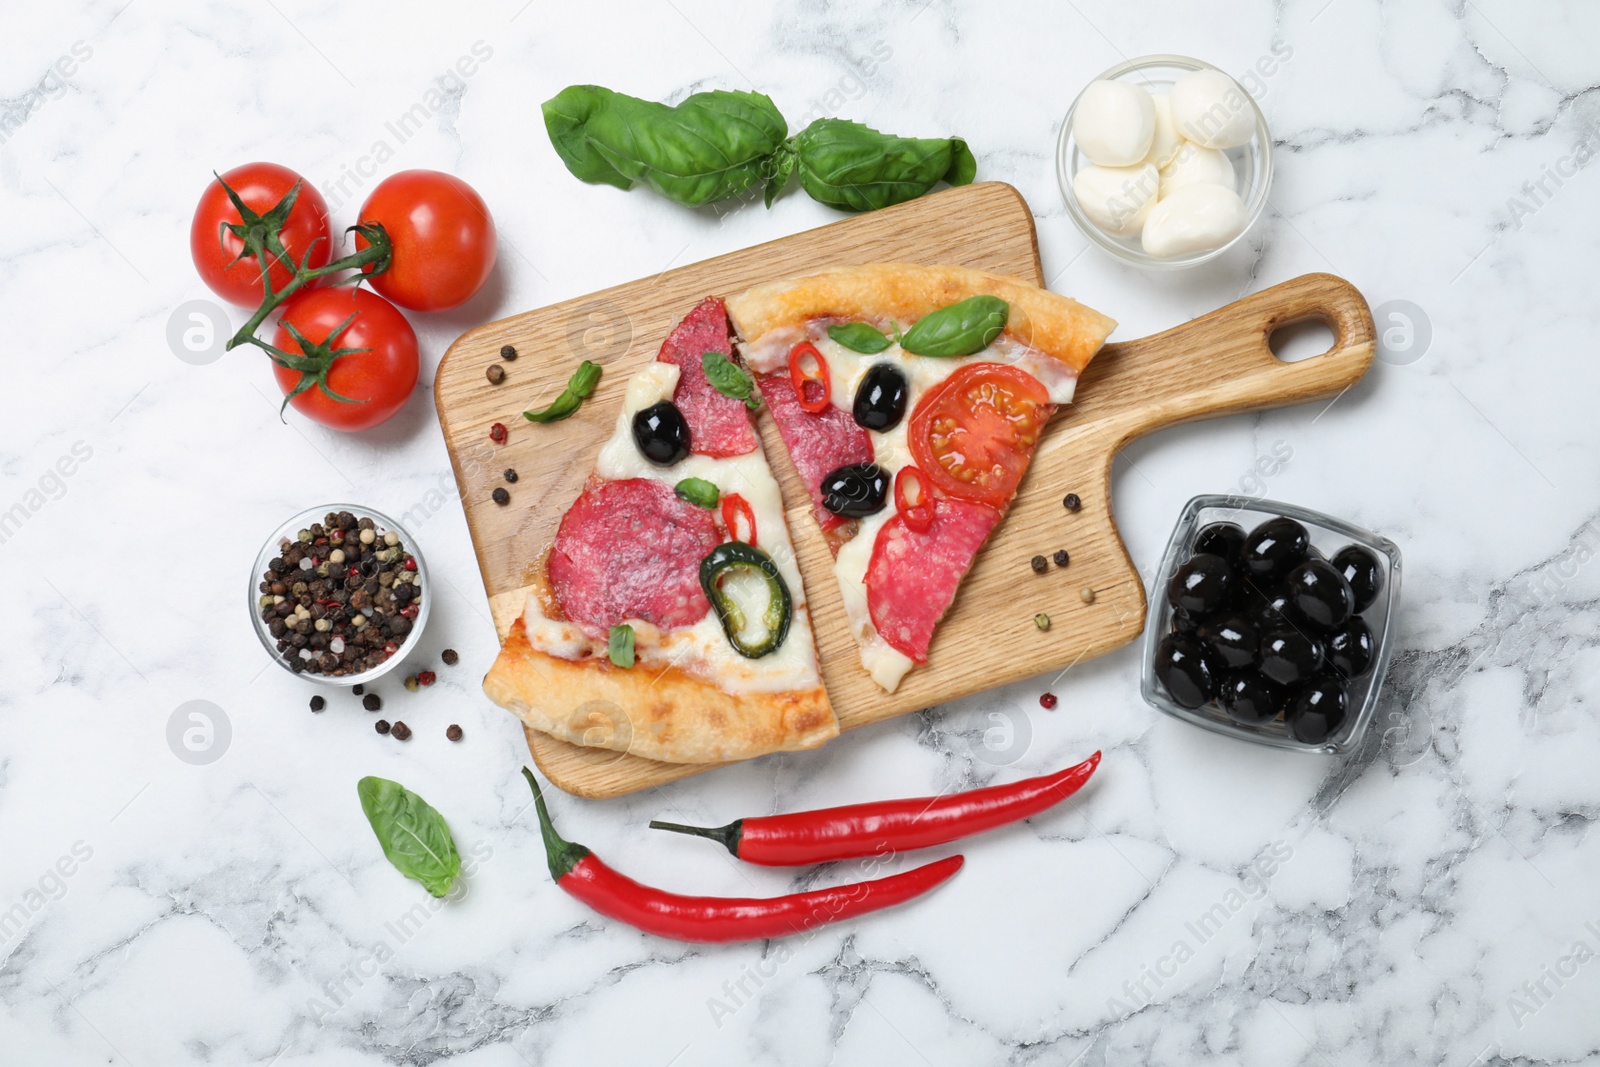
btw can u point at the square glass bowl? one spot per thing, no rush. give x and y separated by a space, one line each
1328 534
1252 163
286 532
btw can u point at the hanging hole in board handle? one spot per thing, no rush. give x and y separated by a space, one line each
1308 338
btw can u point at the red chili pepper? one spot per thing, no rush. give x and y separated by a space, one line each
808 372
911 500
889 825
736 510
718 919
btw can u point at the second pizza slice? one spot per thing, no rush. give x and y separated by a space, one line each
668 618
910 399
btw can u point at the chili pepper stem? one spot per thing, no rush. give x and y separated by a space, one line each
561 854
727 835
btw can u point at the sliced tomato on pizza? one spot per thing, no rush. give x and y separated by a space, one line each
668 618
910 400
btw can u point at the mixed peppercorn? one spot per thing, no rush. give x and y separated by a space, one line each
341 596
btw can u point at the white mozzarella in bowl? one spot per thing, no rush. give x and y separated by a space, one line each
1194 165
1117 199
1114 123
1210 109
1195 218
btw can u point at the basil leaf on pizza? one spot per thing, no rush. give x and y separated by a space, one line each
619 645
729 379
711 146
699 492
860 337
855 168
958 329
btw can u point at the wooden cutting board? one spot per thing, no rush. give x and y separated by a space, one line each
1214 365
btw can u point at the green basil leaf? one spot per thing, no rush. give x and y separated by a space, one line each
959 329
414 837
860 337
780 168
709 147
698 492
619 645
730 379
855 168
579 388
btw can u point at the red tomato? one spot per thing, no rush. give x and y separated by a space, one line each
444 242
974 432
260 186
380 380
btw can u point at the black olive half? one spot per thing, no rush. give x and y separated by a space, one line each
856 491
881 398
661 434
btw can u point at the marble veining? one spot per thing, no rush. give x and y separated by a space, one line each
1429 899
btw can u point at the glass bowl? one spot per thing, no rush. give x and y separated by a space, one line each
1328 534
286 532
1252 164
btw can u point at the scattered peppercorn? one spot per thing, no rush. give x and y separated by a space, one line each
453 732
411 683
1047 701
496 374
401 731
1071 502
500 496
427 677
1042 621
450 656
1061 557
497 433
511 474
358 689
508 352
317 703
372 702
1088 595
1040 564
382 726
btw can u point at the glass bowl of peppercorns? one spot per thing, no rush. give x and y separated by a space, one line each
1272 623
339 594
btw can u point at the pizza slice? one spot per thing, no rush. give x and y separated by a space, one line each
668 618
910 400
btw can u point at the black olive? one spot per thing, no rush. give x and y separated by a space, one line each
661 434
1320 594
1289 656
1251 699
1184 623
1274 548
1317 711
856 491
1201 585
1350 648
881 398
1230 640
1223 539
1362 571
1268 608
1184 672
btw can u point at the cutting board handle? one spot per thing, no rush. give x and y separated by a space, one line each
1222 363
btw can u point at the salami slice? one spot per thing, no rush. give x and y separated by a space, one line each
818 444
913 577
631 550
718 425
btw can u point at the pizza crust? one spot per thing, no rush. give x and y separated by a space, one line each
663 714
1047 322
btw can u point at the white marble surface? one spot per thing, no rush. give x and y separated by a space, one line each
1431 900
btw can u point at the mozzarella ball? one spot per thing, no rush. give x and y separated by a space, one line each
1117 199
1210 109
1194 165
1196 218
1114 123
1166 142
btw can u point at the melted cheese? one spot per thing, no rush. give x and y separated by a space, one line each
702 649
